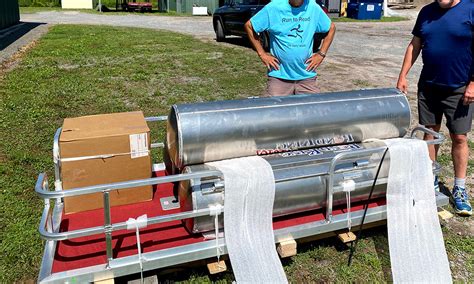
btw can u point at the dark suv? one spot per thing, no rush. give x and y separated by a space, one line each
230 18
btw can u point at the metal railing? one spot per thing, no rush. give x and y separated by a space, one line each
49 230
438 139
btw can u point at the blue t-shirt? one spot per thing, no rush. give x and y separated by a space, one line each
447 43
291 33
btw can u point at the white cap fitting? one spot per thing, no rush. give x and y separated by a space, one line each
348 185
215 209
140 222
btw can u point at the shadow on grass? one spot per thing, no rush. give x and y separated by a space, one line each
197 271
239 41
444 189
12 34
194 272
245 42
377 236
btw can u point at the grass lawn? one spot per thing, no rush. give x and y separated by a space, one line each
81 70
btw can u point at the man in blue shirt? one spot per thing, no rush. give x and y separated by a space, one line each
291 25
444 34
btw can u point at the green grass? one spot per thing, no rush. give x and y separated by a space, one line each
80 70
32 10
361 83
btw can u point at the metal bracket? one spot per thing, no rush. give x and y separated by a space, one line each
169 203
215 187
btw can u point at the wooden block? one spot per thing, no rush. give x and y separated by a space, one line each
146 280
347 237
107 281
216 267
444 214
286 248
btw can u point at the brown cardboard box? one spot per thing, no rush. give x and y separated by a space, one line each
106 148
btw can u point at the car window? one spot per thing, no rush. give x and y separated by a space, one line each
246 2
263 2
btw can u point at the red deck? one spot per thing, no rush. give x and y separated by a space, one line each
90 251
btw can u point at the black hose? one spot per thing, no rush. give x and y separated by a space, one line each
366 207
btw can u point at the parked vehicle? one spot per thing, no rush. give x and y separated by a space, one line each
230 18
132 6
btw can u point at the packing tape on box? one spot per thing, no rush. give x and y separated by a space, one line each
106 156
417 252
248 228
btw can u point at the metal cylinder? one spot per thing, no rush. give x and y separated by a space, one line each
300 182
211 131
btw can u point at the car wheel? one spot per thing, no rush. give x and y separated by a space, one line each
220 35
265 41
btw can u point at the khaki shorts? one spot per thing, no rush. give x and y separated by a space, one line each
280 87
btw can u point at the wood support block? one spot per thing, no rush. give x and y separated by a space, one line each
108 281
444 214
146 280
216 267
287 248
347 237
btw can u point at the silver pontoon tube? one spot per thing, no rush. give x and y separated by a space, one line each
300 182
211 131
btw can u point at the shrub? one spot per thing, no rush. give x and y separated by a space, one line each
39 3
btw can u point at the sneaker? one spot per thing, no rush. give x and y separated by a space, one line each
461 201
436 183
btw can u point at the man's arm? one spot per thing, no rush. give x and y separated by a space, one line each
315 60
269 60
469 93
411 54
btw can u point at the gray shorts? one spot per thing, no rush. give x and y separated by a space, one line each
280 87
434 101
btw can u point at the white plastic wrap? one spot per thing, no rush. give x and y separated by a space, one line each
248 205
417 252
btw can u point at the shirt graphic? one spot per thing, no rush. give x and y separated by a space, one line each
297 31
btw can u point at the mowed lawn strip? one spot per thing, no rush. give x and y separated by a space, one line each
82 70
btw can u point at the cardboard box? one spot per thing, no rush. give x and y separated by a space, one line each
100 149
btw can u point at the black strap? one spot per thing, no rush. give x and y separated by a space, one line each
366 207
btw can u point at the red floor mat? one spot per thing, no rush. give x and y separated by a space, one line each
90 251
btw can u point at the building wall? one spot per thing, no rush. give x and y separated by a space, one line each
78 4
9 13
186 6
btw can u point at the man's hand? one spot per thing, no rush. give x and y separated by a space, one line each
313 62
469 94
270 61
402 84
